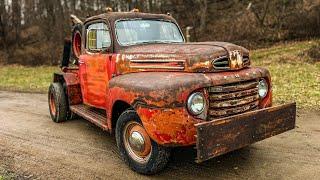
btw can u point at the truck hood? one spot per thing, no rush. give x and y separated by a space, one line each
187 57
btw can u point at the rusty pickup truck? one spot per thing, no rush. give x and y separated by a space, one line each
133 74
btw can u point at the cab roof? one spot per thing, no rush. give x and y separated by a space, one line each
114 16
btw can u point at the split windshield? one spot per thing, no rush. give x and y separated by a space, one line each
131 32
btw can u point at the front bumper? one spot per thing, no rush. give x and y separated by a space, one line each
223 135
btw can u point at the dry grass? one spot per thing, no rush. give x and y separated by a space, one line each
296 77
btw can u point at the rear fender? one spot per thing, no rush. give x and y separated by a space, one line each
71 83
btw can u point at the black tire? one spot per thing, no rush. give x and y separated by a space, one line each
58 106
159 155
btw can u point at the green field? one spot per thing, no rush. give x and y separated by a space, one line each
295 76
26 79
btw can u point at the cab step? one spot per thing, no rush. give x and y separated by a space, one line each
94 115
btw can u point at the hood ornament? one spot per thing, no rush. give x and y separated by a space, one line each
236 59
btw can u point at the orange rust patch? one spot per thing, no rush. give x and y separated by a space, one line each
169 126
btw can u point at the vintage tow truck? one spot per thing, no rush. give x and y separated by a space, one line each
135 76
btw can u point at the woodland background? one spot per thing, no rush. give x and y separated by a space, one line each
32 31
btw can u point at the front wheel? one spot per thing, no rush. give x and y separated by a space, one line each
141 153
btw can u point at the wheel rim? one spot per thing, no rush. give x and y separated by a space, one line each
137 142
52 104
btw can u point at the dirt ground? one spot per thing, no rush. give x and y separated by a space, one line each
33 147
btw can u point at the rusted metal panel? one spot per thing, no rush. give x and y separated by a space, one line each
184 57
223 135
71 80
114 16
169 127
74 94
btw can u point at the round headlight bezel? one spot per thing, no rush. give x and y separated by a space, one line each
263 85
190 103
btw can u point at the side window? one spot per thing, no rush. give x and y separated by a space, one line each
98 37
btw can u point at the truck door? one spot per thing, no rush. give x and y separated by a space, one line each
94 64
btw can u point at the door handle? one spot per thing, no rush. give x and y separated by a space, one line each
81 62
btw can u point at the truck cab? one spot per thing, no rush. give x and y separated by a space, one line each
134 76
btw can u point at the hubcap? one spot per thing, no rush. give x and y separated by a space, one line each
137 142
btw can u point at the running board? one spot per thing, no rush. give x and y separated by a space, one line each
94 115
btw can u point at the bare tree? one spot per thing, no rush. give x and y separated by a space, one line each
260 12
203 14
32 31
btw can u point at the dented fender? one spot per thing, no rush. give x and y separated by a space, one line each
159 98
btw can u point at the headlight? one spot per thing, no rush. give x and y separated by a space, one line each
196 103
263 88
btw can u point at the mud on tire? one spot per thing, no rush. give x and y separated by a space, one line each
58 106
158 156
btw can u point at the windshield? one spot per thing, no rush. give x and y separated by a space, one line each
130 32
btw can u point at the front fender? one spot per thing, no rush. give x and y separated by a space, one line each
160 97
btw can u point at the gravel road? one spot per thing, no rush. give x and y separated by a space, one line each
33 147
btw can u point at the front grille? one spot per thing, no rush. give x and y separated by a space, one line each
233 98
221 63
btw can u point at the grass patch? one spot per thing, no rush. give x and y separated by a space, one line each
4 175
26 79
295 76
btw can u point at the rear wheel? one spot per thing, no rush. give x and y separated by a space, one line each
141 153
58 105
